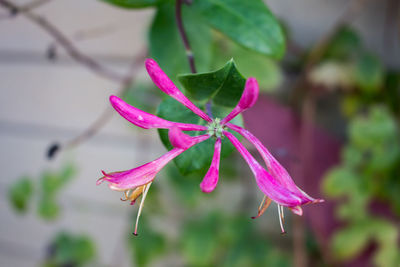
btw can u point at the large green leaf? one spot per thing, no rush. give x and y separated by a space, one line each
249 23
166 46
198 157
134 3
223 86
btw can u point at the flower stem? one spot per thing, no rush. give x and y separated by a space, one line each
182 33
185 40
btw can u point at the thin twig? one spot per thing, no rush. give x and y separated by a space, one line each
65 42
182 33
186 44
105 116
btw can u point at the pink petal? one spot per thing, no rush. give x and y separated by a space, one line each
146 120
167 86
181 140
267 184
248 99
211 179
274 167
297 210
144 174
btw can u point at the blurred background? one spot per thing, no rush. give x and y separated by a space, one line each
329 112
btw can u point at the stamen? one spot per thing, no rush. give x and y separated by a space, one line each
280 220
282 214
145 190
265 202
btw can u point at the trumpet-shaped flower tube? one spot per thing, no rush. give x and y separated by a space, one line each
167 86
211 179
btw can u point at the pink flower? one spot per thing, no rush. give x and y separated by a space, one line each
276 183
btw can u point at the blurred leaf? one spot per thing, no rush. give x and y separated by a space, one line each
223 86
20 193
48 208
352 156
340 181
369 73
249 63
350 241
344 45
249 23
134 3
199 241
198 157
166 46
52 182
147 245
71 250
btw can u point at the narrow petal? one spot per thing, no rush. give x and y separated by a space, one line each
167 86
211 179
181 140
297 210
146 120
248 99
274 167
144 174
267 184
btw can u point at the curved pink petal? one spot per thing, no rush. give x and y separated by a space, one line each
274 167
167 86
144 174
211 179
146 120
248 99
181 140
267 184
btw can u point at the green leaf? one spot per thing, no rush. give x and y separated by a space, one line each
166 46
201 236
72 250
344 45
249 23
369 74
134 3
249 63
198 157
350 241
20 193
223 86
340 181
48 208
52 182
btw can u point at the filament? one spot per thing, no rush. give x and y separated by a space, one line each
280 219
145 190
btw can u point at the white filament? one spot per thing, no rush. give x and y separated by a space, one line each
280 218
146 189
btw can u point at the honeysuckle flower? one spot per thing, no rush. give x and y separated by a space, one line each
276 183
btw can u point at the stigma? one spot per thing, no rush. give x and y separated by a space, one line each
215 128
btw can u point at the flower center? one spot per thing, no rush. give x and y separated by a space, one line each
215 128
